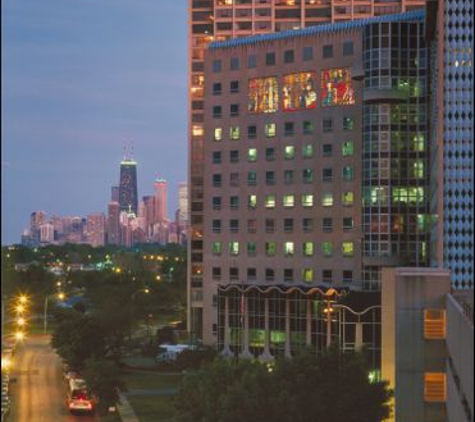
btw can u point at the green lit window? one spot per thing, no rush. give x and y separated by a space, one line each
327 248
307 200
348 149
234 248
289 201
408 195
270 248
252 154
348 123
251 248
307 175
307 275
307 151
418 169
217 248
289 152
347 248
218 133
327 199
348 173
234 133
289 248
270 201
347 198
307 127
270 130
308 248
252 201
418 142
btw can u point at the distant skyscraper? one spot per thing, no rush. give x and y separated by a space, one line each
46 233
160 200
115 194
113 227
128 198
183 203
95 229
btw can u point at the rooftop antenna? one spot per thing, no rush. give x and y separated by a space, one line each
132 149
125 150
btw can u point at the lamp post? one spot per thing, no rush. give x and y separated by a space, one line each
60 296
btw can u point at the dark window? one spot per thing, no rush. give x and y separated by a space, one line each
270 225
252 225
307 225
251 61
217 88
348 223
348 123
251 132
327 125
289 56
288 224
348 48
327 51
234 87
234 65
217 180
347 276
327 276
216 202
327 224
217 112
234 110
327 174
270 59
327 150
289 128
307 127
234 156
270 154
234 202
216 273
216 157
234 273
217 66
269 274
307 175
252 178
216 226
233 226
251 274
307 54
288 177
270 178
288 274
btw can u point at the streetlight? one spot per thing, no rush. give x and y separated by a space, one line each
19 335
61 297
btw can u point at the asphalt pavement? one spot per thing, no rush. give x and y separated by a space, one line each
38 392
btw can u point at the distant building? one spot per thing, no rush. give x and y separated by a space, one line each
113 225
160 200
96 229
128 197
46 233
183 203
115 193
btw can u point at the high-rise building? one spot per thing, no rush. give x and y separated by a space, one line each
219 20
128 197
115 193
160 186
96 229
183 204
46 233
149 215
113 225
317 161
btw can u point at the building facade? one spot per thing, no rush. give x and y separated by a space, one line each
96 229
128 197
160 186
113 223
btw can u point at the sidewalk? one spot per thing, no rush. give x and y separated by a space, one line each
125 410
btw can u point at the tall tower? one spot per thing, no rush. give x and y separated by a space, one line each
160 200
113 227
128 197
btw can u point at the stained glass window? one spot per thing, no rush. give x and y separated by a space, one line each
299 91
263 95
337 88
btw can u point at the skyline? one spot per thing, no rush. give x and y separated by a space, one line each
74 88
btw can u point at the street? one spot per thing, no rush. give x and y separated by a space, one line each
39 393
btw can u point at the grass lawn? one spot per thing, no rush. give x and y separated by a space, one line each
152 408
150 380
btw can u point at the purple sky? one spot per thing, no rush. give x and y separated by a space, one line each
78 79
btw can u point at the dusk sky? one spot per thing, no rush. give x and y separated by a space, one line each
79 78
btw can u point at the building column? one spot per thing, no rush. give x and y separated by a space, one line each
246 354
266 355
358 336
227 333
309 322
287 353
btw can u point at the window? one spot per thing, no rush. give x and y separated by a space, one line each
288 128
234 226
270 201
217 180
435 388
217 88
234 156
348 48
251 132
307 54
289 248
308 248
234 64
234 110
270 248
348 223
327 174
307 175
347 198
348 123
251 178
234 202
218 134
327 276
216 157
234 273
347 276
217 112
288 274
289 56
270 178
307 127
327 199
327 224
252 201
252 154
327 248
217 66
269 274
347 248
233 248
216 226
307 275
307 225
307 200
216 273
327 150
288 225
269 130
252 225
348 173
307 151
251 248
288 201
347 149
234 87
288 177
327 51
251 61
289 152
270 225
217 248
327 125
234 133
270 59
251 274
216 202
270 154
434 324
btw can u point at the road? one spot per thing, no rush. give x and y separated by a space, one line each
39 394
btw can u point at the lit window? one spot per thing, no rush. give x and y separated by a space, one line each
263 95
307 151
289 248
197 130
347 248
418 142
252 201
327 248
348 173
252 154
307 127
336 87
308 248
418 169
307 275
307 200
270 130
327 199
289 152
434 324
348 123
270 248
289 201
218 134
348 149
347 198
217 248
435 388
234 248
270 201
234 133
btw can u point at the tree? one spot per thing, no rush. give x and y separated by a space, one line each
166 335
103 380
